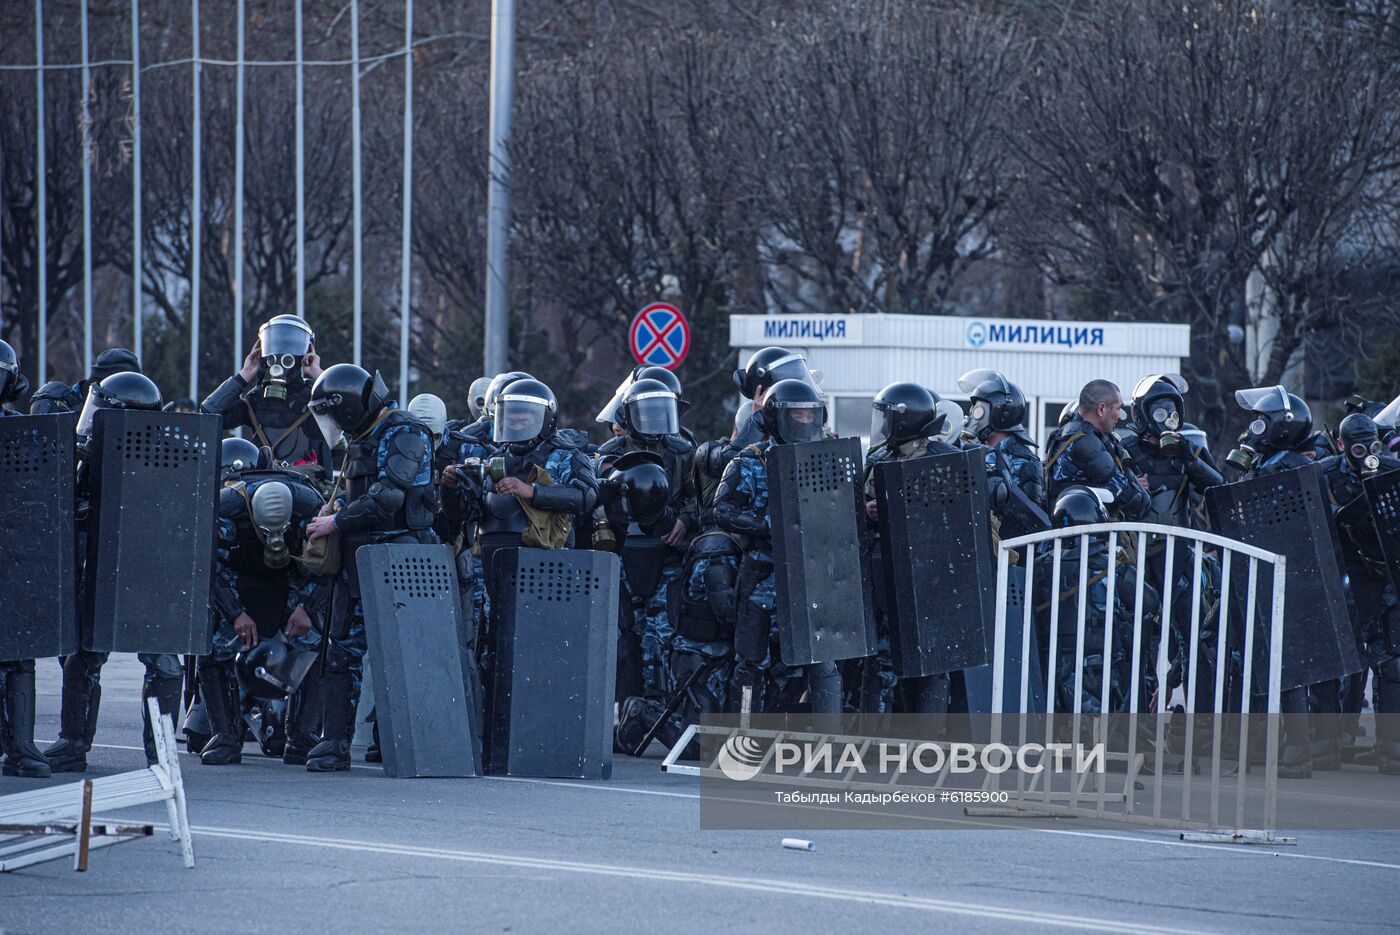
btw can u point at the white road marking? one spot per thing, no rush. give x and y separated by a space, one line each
752 884
1234 850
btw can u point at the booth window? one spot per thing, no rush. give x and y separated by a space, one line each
1050 415
851 418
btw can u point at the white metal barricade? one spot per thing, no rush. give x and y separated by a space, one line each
54 822
1150 767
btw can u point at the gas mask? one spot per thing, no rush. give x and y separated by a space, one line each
1166 419
285 342
272 515
1244 455
1365 458
282 372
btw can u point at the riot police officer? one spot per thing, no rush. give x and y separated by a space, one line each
57 396
388 497
533 464
996 417
270 393
1088 453
1078 505
82 671
766 367
480 431
259 593
1278 439
792 412
22 757
649 413
1178 472
1373 599
905 424
702 651
13 384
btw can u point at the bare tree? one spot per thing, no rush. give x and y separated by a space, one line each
1163 148
625 179
879 166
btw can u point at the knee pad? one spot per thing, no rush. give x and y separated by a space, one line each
163 666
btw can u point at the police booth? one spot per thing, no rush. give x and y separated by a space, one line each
857 355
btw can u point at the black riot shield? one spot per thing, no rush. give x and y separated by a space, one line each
815 504
150 550
38 615
426 691
1383 493
1288 513
552 683
936 562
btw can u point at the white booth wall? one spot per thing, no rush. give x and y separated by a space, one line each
857 355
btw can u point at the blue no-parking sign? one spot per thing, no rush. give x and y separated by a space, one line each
660 336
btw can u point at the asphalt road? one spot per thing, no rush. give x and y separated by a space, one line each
279 849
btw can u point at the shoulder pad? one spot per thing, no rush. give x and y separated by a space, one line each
404 417
569 438
678 444
55 389
613 446
231 502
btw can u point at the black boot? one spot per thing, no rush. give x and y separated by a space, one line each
77 719
373 754
1325 703
22 758
332 754
303 720
166 692
824 687
1295 760
219 690
1388 722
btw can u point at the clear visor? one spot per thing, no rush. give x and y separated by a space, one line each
654 414
799 423
983 377
330 429
519 418
880 425
608 414
1388 416
1263 399
285 339
1146 383
791 367
90 407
